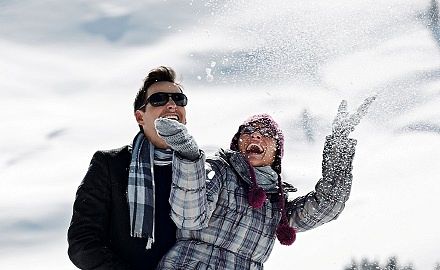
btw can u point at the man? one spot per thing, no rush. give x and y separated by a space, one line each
123 198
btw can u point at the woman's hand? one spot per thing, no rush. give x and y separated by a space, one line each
177 137
344 122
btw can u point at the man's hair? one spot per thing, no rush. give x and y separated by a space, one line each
159 74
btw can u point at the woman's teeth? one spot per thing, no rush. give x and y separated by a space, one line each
254 148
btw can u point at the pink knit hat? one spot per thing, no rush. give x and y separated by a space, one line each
257 196
267 121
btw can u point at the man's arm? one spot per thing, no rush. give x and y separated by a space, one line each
88 231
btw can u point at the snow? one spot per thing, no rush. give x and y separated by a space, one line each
70 71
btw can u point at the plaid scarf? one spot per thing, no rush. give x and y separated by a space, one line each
140 190
163 157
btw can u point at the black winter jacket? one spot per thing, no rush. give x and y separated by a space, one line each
99 233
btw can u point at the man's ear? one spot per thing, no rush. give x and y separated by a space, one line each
139 115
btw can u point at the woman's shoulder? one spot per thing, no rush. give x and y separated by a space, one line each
226 157
221 157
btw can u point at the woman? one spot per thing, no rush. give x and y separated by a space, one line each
230 208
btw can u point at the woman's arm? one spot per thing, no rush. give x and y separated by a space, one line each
195 188
332 190
194 192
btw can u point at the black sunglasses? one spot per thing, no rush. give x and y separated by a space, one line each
162 98
264 131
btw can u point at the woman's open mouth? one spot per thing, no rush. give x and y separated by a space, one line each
254 149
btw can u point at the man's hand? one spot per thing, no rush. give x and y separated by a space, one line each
345 123
176 136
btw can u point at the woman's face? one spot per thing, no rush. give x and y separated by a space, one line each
257 143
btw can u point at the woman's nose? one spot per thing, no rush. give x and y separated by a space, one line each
256 135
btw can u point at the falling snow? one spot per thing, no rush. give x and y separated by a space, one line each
70 71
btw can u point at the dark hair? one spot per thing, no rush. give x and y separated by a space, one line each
159 74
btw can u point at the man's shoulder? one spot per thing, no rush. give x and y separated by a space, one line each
116 153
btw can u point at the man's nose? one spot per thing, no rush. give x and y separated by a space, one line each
171 105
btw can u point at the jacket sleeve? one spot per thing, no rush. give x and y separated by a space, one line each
332 190
89 228
194 192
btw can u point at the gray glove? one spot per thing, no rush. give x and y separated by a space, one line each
345 123
176 136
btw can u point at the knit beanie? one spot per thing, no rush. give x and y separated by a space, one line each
267 121
257 196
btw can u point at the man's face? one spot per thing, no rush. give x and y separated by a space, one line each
169 110
258 145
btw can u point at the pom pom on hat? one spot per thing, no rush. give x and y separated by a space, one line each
285 234
256 197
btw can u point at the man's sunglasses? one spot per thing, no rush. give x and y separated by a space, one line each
160 98
264 131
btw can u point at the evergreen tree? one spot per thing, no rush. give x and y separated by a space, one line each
392 264
352 266
308 124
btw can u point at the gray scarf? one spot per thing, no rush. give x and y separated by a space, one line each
266 177
140 190
163 157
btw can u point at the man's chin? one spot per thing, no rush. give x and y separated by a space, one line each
157 141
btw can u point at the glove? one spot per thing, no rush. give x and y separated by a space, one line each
176 136
345 123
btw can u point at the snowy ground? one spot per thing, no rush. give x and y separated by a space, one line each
70 70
